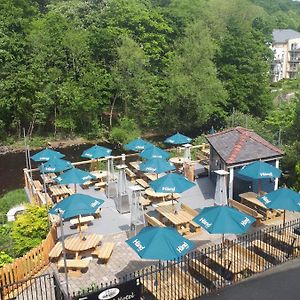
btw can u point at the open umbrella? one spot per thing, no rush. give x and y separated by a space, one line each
154 152
75 176
156 165
223 219
178 139
96 152
55 165
137 145
46 155
282 198
163 243
259 170
171 183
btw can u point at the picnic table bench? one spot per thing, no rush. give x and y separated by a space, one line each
154 221
131 175
269 250
203 270
37 185
144 202
75 265
56 251
104 251
81 220
142 183
193 213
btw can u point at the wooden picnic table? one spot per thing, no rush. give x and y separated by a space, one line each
178 217
37 185
156 196
177 160
153 176
78 245
81 220
142 183
135 165
48 177
60 191
100 175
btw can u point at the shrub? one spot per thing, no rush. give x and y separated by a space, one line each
4 259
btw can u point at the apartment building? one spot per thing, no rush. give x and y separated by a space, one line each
286 48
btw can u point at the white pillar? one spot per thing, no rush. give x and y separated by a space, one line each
230 184
276 179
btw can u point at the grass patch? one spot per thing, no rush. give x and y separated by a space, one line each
11 199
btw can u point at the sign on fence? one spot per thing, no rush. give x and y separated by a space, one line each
130 290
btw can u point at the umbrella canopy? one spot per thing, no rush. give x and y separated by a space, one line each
75 176
137 145
163 243
283 198
178 139
154 152
171 183
96 152
76 205
156 165
55 165
46 155
259 170
223 219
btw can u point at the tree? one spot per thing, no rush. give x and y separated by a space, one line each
193 92
30 229
4 259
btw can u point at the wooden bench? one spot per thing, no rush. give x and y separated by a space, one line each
56 251
82 220
245 209
74 264
142 183
268 249
100 185
130 175
37 185
104 251
203 270
194 213
144 202
153 221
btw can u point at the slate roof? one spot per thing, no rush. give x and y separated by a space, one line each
283 35
238 145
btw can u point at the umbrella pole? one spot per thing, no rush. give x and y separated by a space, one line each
283 218
79 227
64 253
258 187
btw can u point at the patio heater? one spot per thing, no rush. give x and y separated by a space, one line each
221 188
137 217
111 188
187 152
122 199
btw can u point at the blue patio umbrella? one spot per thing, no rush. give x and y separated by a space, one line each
163 243
259 170
55 165
156 165
46 155
96 152
282 198
154 152
171 183
137 145
75 176
223 219
178 139
212 130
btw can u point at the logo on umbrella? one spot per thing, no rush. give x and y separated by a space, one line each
168 189
205 223
86 177
266 200
266 174
245 222
182 247
95 203
138 244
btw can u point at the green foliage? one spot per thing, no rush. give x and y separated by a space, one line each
12 199
4 259
126 131
29 229
6 240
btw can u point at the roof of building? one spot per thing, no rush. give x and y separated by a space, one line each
283 35
238 145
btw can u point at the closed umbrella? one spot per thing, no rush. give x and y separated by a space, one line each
96 152
156 165
55 165
154 152
178 139
163 243
282 198
137 145
46 155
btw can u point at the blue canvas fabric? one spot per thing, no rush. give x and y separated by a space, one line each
55 165
96 152
154 152
75 176
156 165
137 145
178 139
46 155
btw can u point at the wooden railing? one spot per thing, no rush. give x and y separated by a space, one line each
30 264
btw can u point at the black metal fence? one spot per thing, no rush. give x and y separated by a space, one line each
207 269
